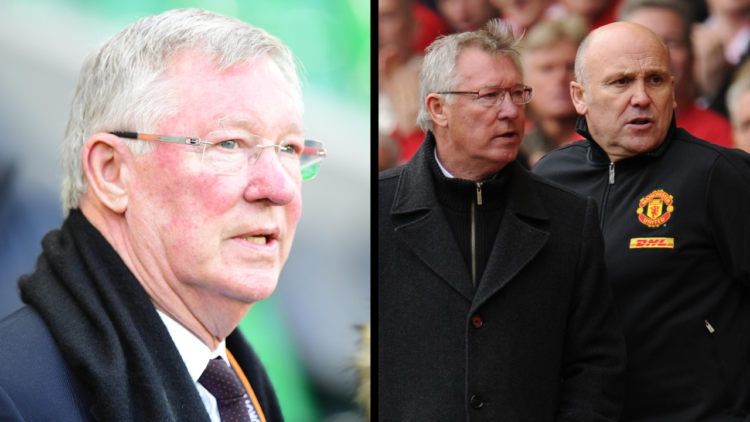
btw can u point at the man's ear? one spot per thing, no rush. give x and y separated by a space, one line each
578 95
436 107
106 163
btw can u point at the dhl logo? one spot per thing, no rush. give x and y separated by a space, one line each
652 242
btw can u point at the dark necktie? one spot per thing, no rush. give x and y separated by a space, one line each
231 397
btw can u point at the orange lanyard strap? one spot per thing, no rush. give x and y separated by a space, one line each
249 389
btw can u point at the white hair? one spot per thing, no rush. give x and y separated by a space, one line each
123 84
439 73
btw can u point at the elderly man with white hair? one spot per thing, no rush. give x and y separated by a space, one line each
493 303
184 158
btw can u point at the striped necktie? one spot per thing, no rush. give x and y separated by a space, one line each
231 397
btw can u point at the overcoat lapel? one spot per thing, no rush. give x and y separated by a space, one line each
423 227
518 241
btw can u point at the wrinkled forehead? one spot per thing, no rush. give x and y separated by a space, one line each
255 96
640 54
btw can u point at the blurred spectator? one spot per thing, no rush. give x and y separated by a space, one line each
738 103
26 215
395 29
398 75
671 21
527 13
719 44
596 13
387 152
399 104
549 59
466 15
520 13
428 26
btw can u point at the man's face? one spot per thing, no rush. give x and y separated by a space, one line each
668 26
479 134
629 99
523 13
549 71
741 129
394 21
199 228
466 15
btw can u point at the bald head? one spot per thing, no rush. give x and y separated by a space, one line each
625 89
607 39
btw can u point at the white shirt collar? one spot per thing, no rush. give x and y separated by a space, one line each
194 352
445 172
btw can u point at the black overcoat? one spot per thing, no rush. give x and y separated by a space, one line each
538 341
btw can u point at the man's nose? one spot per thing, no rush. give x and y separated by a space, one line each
269 180
639 96
508 109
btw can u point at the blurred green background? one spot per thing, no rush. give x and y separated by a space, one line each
331 38
305 332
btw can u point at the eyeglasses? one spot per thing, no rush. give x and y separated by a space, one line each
494 95
229 152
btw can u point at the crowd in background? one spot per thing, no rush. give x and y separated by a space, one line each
707 39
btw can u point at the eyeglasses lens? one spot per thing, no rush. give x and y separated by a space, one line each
231 151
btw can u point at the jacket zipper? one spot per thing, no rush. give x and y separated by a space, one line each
605 197
473 236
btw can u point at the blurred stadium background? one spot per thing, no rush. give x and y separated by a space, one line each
305 333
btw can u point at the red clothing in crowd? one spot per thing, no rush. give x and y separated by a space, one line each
407 144
429 26
707 124
609 16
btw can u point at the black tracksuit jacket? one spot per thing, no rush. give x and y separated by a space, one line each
676 223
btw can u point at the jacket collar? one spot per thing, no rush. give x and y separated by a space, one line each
421 224
598 156
416 188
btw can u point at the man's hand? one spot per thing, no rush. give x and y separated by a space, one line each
710 64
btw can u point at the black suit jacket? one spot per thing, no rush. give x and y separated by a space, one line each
35 382
549 346
37 385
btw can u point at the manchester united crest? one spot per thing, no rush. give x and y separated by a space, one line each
655 209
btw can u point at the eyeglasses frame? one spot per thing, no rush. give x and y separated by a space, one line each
505 91
188 140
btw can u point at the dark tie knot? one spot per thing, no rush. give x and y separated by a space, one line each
221 381
231 397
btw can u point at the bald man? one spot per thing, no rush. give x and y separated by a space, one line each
673 210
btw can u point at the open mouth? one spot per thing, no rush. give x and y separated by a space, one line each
260 240
261 237
641 121
507 135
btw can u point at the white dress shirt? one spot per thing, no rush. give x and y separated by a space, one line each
445 172
196 354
